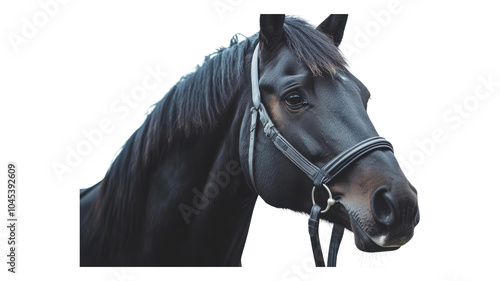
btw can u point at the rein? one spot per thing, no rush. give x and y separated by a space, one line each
319 176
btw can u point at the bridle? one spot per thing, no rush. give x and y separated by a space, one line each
319 176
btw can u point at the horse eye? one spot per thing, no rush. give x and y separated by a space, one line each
295 101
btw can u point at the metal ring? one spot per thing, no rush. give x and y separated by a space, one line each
330 202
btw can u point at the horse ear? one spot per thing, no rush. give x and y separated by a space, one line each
271 29
333 27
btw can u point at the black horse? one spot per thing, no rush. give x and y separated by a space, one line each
180 191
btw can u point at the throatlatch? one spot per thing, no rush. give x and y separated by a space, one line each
319 176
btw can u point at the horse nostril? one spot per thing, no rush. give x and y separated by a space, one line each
382 208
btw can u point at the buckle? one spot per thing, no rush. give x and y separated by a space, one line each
268 129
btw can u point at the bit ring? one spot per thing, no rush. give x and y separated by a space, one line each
330 202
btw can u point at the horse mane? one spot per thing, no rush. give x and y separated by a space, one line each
191 108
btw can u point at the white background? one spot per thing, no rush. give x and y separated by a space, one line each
420 59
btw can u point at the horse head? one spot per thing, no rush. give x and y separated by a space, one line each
320 109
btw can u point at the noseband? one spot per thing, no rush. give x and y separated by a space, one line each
319 176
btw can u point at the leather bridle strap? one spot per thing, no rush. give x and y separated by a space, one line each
319 176
253 128
313 232
337 233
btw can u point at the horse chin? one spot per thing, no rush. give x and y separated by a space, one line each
367 244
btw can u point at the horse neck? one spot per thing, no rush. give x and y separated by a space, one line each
209 202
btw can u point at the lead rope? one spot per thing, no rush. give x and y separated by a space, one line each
337 233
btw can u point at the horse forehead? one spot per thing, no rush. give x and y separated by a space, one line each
348 82
283 62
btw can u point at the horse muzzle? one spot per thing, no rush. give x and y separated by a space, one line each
394 217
